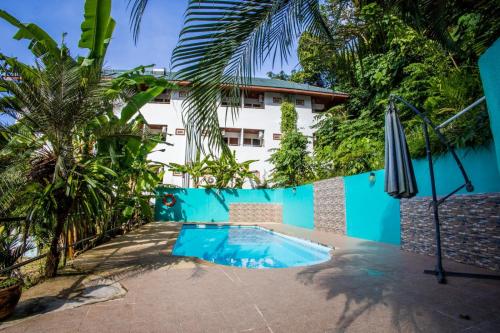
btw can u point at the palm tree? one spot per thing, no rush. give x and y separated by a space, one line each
57 145
228 172
196 169
225 42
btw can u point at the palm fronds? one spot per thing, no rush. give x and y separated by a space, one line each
224 42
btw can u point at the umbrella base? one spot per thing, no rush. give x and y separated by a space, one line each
441 275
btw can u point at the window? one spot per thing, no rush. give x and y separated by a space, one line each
180 131
318 105
164 97
231 136
183 94
253 137
254 100
228 100
299 102
277 100
157 129
234 141
276 136
177 173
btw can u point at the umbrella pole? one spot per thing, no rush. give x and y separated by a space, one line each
439 271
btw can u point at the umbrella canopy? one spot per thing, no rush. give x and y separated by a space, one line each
400 179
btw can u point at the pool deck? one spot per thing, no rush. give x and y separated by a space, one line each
365 287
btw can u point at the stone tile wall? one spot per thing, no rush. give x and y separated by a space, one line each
329 205
255 213
470 228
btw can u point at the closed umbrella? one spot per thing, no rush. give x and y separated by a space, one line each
400 179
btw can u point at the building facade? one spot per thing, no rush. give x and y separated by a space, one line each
255 132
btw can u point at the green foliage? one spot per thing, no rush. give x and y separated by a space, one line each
8 282
197 169
13 245
406 63
288 117
226 170
291 161
97 28
70 163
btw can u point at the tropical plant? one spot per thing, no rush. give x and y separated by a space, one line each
291 161
14 243
349 138
223 42
196 169
68 170
228 172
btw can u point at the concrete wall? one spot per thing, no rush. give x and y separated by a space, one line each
298 207
371 213
489 66
479 163
204 205
470 228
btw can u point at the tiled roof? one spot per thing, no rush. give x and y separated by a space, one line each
258 82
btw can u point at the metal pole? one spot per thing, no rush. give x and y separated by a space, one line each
467 109
435 207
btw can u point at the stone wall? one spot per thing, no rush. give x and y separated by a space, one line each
255 212
329 205
470 228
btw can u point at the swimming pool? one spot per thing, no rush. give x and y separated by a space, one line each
247 246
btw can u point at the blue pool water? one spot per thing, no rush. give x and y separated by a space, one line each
247 246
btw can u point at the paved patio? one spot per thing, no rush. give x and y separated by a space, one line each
366 287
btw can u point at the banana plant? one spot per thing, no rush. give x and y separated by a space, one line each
72 173
228 172
197 169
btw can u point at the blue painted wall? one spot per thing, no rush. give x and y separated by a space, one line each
373 215
204 205
479 163
370 213
298 206
489 67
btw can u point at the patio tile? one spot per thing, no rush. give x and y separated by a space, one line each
366 287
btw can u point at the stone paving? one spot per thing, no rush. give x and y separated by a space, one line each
365 287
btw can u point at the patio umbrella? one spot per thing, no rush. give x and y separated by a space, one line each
400 179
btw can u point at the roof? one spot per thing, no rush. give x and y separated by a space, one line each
261 84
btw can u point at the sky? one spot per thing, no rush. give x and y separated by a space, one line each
160 29
162 23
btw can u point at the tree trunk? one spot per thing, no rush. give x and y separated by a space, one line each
54 255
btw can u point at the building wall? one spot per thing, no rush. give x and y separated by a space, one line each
470 228
267 119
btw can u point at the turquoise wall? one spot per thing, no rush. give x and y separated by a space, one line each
373 215
479 163
204 205
298 206
489 67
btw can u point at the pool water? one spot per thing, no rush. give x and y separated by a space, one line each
247 246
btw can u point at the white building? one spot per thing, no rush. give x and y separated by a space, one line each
253 134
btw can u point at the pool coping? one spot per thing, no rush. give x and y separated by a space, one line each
171 244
